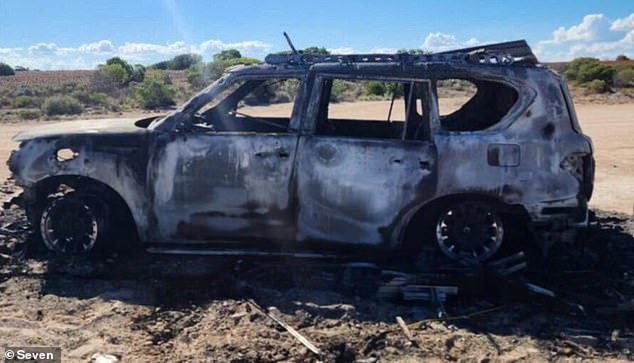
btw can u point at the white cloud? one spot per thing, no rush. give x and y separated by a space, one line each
595 36
438 42
87 56
341 50
102 46
249 46
623 24
43 49
384 50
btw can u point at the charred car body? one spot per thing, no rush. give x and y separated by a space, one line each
212 171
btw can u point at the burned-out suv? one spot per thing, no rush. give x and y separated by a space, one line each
333 153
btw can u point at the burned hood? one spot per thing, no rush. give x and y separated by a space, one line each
84 127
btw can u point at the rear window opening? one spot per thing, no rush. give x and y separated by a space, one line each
473 104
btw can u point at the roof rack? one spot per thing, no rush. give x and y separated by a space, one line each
507 53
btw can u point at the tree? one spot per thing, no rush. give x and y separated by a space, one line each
184 61
179 63
622 57
127 66
227 54
316 50
584 70
6 70
155 91
375 88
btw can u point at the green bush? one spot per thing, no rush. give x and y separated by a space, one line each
375 88
138 73
155 91
28 114
115 75
178 63
583 70
6 70
26 102
227 54
61 105
625 77
596 86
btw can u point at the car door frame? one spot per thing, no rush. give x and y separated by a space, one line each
393 232
170 234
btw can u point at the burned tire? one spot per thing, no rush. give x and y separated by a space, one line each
469 232
72 224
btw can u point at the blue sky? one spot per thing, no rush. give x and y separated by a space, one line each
71 34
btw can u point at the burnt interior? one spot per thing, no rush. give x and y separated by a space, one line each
226 116
491 102
409 96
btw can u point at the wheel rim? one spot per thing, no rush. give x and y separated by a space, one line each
469 232
69 227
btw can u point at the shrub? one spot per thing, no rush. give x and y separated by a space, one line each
227 54
28 114
6 70
184 61
61 105
109 78
375 88
90 98
155 91
25 102
624 78
596 86
583 70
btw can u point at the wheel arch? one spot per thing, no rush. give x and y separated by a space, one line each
418 216
115 200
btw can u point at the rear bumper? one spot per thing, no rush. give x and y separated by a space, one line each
559 221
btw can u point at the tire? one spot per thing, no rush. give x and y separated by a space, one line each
72 224
469 232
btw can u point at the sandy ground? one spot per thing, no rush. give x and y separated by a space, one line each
611 128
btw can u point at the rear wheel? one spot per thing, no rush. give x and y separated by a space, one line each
72 224
469 232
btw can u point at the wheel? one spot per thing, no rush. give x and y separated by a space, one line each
72 224
469 232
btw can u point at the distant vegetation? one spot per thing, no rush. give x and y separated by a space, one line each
178 63
599 77
6 70
118 85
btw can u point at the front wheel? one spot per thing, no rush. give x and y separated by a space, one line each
72 224
469 232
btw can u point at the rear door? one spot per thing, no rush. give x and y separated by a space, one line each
365 164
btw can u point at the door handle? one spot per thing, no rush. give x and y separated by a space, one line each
280 153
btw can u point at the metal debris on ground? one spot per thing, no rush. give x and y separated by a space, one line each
406 331
302 339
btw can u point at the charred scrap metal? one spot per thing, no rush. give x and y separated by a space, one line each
512 157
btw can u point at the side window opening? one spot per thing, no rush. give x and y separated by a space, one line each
472 104
257 105
373 109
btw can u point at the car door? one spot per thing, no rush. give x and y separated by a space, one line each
227 183
359 177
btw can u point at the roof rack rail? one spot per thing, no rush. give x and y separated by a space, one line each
515 52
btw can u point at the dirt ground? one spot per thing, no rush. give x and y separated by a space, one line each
148 308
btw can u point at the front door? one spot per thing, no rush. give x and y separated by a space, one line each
230 176
367 163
